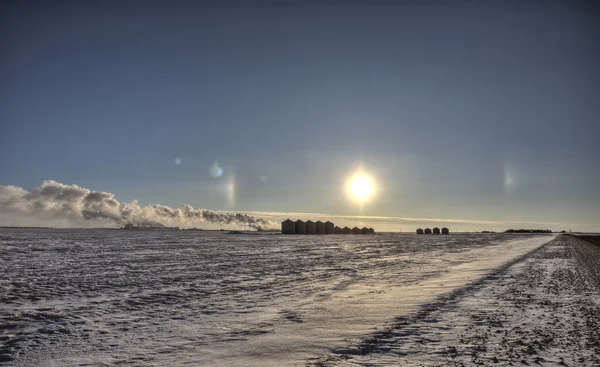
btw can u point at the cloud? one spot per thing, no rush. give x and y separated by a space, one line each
56 204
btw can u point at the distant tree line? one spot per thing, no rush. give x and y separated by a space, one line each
528 231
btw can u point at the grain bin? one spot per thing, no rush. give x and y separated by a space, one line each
300 227
287 227
310 227
320 227
329 228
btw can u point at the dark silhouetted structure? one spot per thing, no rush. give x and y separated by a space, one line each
528 231
329 228
320 227
436 230
427 230
310 227
419 231
445 231
300 227
288 227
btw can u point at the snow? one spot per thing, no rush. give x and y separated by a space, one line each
540 311
153 298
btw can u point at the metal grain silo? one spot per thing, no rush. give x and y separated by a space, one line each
445 231
300 227
371 230
427 230
320 227
337 230
355 230
436 230
419 231
310 227
287 227
329 228
346 230
364 230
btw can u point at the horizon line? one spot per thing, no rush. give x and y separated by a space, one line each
404 219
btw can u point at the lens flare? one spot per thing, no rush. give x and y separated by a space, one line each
215 170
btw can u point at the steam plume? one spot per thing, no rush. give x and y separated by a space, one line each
54 203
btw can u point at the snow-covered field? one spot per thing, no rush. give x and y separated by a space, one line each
110 297
543 311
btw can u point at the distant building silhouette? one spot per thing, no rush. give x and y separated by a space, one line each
310 227
300 227
419 231
445 231
436 230
320 227
427 230
287 227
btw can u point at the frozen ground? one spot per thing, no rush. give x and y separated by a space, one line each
543 311
109 297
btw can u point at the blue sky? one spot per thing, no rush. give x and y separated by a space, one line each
483 110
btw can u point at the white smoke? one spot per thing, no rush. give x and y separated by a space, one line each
56 204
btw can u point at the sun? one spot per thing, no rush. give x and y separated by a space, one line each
360 187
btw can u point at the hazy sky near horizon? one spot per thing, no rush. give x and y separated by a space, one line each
486 110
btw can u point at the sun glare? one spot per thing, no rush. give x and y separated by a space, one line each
360 188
